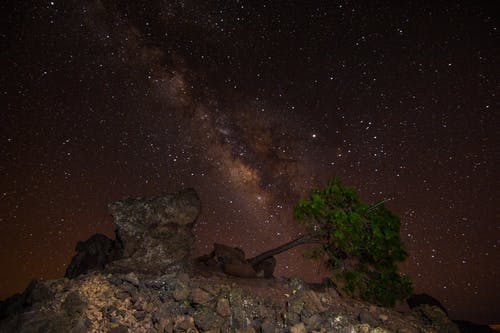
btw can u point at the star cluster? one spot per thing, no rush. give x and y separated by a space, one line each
253 104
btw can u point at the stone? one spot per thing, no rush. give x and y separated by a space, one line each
268 326
362 328
436 317
140 315
206 319
223 308
73 304
155 232
93 254
420 299
366 317
184 323
231 260
119 329
199 296
314 322
248 329
181 292
383 317
131 278
80 327
37 291
265 268
298 328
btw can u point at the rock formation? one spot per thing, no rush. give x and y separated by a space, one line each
156 233
153 235
421 299
144 282
94 253
232 261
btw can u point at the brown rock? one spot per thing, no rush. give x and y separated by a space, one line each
298 328
223 308
184 323
200 296
248 329
383 317
181 292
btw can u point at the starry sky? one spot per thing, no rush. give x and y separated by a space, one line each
253 103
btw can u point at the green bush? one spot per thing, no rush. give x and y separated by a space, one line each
360 243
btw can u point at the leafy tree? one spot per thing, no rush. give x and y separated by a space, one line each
360 243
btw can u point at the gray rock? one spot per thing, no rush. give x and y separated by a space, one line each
132 278
73 304
155 232
181 292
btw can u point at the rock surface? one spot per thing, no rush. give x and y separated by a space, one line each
111 302
155 233
94 253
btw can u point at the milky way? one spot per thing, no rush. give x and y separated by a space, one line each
253 105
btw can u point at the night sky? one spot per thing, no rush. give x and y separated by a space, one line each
253 104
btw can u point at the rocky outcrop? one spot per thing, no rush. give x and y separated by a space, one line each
156 232
93 254
416 300
153 235
179 302
232 261
144 282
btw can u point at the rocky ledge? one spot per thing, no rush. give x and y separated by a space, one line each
146 281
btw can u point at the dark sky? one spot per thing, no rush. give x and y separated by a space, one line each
253 104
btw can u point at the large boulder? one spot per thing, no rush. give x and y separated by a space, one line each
155 232
93 254
416 300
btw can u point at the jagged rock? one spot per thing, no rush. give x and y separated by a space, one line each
94 253
436 317
420 299
132 278
37 291
367 317
223 308
265 268
181 292
206 319
200 296
268 326
298 328
73 304
231 260
156 233
99 302
184 323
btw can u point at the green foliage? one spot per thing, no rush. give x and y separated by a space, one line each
361 243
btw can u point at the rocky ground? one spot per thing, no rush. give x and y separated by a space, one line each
145 281
179 302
